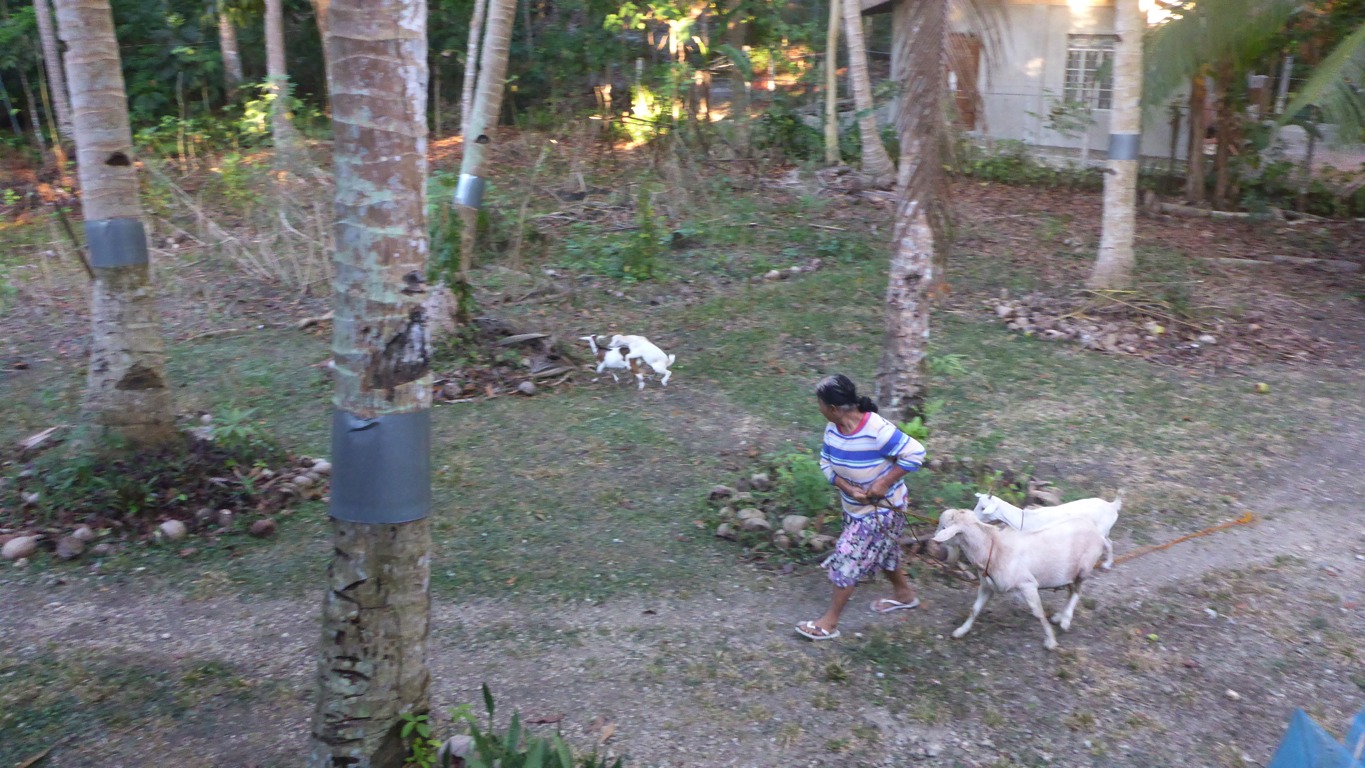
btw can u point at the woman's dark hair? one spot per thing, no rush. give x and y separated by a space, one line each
839 391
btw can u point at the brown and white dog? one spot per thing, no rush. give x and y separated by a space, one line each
629 353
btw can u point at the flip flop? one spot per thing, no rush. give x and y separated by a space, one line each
808 630
893 605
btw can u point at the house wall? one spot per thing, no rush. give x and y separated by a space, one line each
1026 71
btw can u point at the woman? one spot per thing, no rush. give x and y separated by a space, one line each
865 457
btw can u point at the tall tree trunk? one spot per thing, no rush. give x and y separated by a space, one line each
1194 155
232 59
58 151
1116 261
741 77
56 77
916 243
1226 117
471 65
321 8
1301 204
876 162
35 124
832 156
478 134
282 132
376 611
127 395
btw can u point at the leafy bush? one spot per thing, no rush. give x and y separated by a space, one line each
1012 162
802 486
515 748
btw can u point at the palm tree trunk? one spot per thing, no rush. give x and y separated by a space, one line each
232 59
56 76
832 85
35 124
320 10
736 33
483 122
277 81
471 66
876 163
1114 266
1226 117
376 611
916 244
1194 156
127 395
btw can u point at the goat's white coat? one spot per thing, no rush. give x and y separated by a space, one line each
1103 513
1061 555
607 358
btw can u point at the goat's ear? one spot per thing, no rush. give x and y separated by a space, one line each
947 533
625 351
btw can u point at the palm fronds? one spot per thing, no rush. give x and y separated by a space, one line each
1337 88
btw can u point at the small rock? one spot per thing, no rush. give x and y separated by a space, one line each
103 549
1003 310
31 498
772 274
204 517
1207 338
224 518
322 467
761 482
756 524
793 525
263 528
726 531
70 548
749 512
820 543
267 474
527 388
1211 613
455 748
727 512
21 563
19 547
933 749
722 492
206 419
743 496
83 532
173 530
782 541
1232 695
303 481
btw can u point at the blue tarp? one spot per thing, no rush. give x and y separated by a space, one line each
1307 745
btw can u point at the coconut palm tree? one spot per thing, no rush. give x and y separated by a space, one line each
56 76
282 131
376 611
127 396
1114 266
877 167
471 66
227 45
478 134
832 85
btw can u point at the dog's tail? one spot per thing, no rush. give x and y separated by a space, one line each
672 359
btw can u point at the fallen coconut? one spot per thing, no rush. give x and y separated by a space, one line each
263 528
793 525
84 533
70 548
174 530
756 524
726 531
19 547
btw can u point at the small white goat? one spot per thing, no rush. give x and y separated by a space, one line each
639 348
1103 513
1061 555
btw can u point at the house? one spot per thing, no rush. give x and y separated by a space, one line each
1045 80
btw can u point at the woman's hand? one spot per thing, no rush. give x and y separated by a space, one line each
853 491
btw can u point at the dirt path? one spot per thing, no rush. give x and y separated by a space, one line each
714 677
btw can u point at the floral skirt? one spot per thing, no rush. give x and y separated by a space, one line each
868 544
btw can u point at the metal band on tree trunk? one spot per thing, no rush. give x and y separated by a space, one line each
469 192
381 467
116 242
1124 146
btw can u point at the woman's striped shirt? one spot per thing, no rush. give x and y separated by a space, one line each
865 455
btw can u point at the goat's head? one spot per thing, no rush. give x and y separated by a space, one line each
952 522
597 352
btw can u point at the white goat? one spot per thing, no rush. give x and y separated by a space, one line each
639 348
609 357
1103 513
1061 555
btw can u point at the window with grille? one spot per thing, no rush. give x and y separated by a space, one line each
1090 70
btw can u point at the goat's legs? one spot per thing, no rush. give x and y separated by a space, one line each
1035 604
664 381
1108 554
1062 618
983 593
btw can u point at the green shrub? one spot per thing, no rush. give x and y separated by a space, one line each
802 486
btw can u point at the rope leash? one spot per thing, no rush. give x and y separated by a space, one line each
1245 519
